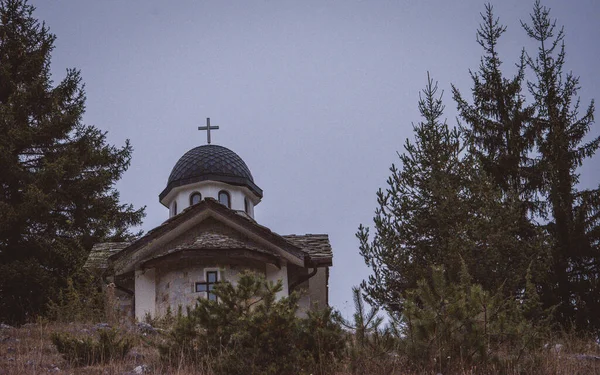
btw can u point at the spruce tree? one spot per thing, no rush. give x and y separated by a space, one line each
498 126
417 221
57 175
443 208
573 214
498 121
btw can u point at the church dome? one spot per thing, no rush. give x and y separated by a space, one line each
214 163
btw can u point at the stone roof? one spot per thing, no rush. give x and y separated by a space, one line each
98 258
315 248
213 241
316 245
210 203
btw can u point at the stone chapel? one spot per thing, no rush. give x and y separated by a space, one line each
210 236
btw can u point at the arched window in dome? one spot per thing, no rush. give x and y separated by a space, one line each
224 198
195 198
247 206
174 208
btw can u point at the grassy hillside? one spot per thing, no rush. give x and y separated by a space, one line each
29 350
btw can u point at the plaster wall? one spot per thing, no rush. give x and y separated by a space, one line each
211 189
304 301
145 293
313 292
317 289
275 274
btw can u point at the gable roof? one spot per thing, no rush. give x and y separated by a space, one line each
215 244
311 250
194 214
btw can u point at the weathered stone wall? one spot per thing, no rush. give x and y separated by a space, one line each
175 286
119 299
124 304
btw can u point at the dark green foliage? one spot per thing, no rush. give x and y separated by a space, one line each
249 331
84 351
372 349
498 122
57 175
322 337
498 128
83 304
443 208
500 193
574 214
450 326
419 215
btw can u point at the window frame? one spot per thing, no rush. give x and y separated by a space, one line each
195 193
247 205
174 208
228 205
207 284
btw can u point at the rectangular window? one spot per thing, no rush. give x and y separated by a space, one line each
212 277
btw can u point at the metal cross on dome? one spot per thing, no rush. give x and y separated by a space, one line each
208 128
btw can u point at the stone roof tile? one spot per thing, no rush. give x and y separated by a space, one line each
316 245
212 241
98 258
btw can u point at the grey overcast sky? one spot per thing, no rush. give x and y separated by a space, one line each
316 96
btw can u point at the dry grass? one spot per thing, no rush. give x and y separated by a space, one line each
28 350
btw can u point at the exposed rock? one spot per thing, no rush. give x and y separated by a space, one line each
588 357
137 357
558 348
146 328
102 326
141 369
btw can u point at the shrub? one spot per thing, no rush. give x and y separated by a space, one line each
451 326
248 331
109 345
81 300
371 348
322 337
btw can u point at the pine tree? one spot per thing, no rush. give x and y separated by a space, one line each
57 174
418 218
574 215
